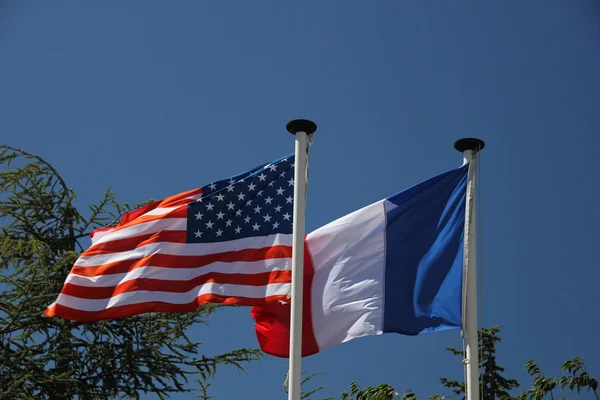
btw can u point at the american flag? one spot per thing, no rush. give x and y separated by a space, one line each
227 242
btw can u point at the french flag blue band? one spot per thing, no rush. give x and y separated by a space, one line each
424 255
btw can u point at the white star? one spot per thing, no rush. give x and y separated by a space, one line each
230 206
284 160
280 191
199 200
276 225
241 196
289 199
230 189
260 192
219 232
282 174
262 177
220 215
228 222
209 225
267 218
212 186
271 183
272 167
220 197
199 215
268 200
209 206
238 230
257 209
255 227
198 233
238 213
251 186
231 182
247 219
278 209
249 202
286 216
291 182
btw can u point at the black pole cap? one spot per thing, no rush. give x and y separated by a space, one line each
469 144
301 125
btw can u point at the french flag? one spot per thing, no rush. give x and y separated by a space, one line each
393 266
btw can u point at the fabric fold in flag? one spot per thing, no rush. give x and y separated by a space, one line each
228 242
392 266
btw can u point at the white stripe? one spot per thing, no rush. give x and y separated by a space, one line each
141 296
181 274
347 291
171 224
186 249
99 235
160 211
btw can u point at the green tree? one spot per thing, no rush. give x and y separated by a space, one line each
574 378
51 358
382 391
494 385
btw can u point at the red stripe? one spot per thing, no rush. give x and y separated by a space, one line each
171 201
175 200
171 261
137 216
130 216
180 212
130 243
178 202
58 310
159 285
272 322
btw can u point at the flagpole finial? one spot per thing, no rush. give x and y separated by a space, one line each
301 125
465 144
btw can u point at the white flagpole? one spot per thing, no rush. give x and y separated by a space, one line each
301 128
469 147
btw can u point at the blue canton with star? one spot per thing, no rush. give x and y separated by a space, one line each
256 203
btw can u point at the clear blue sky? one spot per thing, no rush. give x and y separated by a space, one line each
156 97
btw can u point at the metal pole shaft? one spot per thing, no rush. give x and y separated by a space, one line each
472 347
297 267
